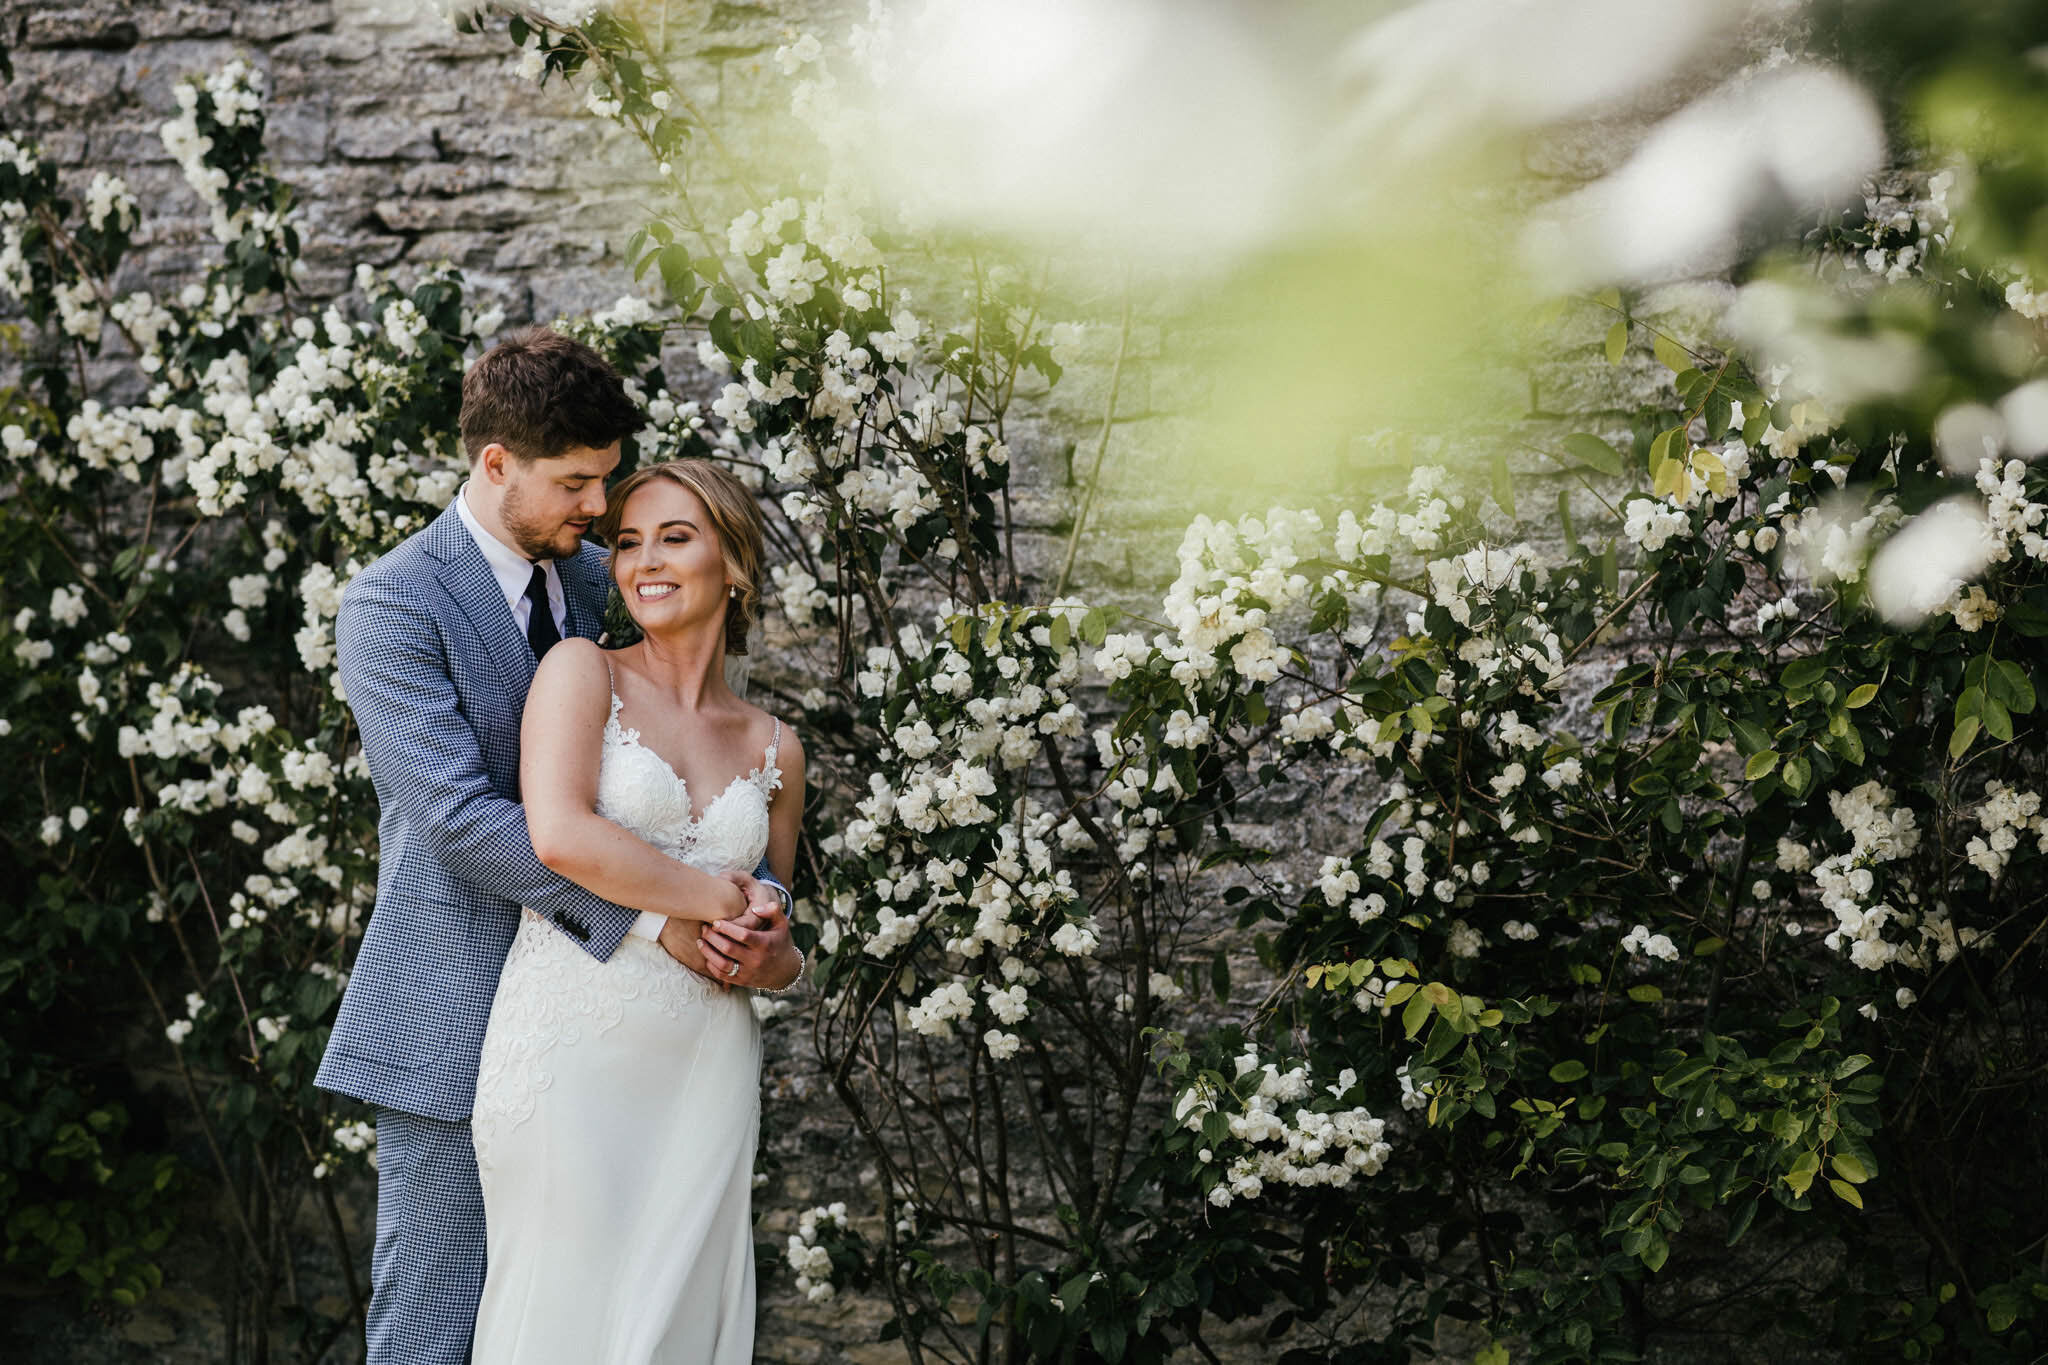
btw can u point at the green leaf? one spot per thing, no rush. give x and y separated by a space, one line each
1846 1193
1849 1168
1760 765
1739 1224
1668 444
2016 689
1682 1075
1997 720
1804 672
1503 484
1861 696
1617 341
1564 1073
1798 774
1669 353
1849 744
1645 994
1594 453
676 275
1749 738
1415 1014
1965 735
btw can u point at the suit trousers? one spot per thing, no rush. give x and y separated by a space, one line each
427 1267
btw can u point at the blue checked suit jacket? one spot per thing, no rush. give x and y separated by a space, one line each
436 671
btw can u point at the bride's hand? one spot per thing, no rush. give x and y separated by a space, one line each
752 951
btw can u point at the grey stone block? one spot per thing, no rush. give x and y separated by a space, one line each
182 19
68 87
1590 385
385 137
447 177
151 73
299 131
307 56
576 290
79 26
543 247
484 210
64 146
461 248
268 20
118 146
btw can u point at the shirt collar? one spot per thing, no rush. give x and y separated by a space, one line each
512 569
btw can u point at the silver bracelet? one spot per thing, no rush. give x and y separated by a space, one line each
801 963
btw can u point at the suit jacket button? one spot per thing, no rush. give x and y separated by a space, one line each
573 927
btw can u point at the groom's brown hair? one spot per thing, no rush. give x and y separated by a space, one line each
540 394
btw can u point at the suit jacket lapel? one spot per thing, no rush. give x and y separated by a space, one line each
587 587
468 577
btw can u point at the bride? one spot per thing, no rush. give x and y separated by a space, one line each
617 1103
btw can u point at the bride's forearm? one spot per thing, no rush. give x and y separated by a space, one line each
610 861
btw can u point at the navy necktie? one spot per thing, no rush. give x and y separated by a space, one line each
540 621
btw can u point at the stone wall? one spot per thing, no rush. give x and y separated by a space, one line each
410 144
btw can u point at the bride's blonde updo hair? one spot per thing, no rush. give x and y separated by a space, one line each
735 516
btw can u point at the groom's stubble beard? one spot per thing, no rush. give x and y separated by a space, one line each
537 536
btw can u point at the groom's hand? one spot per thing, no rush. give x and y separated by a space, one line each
679 940
754 950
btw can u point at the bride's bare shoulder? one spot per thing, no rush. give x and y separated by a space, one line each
574 671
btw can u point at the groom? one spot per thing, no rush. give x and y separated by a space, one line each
438 642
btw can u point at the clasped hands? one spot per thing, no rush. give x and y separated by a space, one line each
750 948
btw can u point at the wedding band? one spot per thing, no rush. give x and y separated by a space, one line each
732 969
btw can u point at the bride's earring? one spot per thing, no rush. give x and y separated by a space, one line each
732 590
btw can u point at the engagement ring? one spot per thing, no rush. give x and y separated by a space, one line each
732 969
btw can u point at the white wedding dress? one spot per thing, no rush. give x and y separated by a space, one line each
617 1106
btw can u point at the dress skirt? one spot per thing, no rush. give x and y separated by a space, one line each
617 1109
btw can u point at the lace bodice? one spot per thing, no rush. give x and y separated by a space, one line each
636 788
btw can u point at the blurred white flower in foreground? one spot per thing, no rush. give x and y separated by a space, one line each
1443 69
1794 139
1929 559
1966 434
1119 123
2024 413
1796 326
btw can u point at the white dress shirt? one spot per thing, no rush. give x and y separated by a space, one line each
514 571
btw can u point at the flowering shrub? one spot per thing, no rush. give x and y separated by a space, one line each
1687 953
194 821
1693 908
